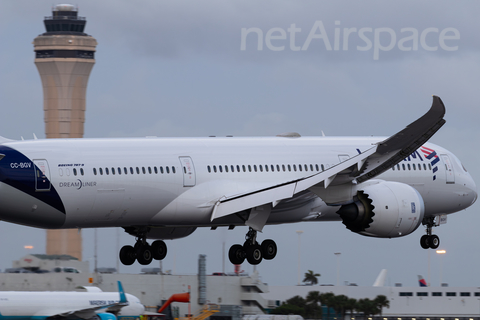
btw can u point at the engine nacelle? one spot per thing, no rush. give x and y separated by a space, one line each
385 210
105 316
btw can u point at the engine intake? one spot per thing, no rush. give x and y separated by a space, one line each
385 209
358 215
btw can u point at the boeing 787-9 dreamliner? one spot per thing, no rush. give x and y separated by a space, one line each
165 188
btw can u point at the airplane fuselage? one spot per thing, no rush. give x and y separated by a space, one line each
175 182
30 305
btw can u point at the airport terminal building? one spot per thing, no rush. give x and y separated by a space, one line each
237 295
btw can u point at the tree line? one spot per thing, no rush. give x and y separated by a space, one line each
311 307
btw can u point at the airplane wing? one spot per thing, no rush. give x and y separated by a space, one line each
89 313
360 168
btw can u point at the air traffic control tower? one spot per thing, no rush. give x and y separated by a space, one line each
64 56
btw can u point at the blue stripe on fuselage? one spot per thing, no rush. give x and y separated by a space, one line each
18 171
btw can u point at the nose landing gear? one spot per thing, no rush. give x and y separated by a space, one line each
430 240
252 250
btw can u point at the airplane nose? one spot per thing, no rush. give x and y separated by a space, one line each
472 187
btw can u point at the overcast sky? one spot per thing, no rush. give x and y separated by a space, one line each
183 68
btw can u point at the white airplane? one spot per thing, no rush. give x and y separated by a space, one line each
164 188
93 304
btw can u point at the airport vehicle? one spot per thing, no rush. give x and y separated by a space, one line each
164 188
92 304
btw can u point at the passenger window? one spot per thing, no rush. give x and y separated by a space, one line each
398 167
173 170
106 171
161 170
408 165
278 168
300 167
311 167
283 167
125 170
113 171
74 171
243 167
266 167
220 168
131 170
226 168
143 170
149 170
249 168
306 168
419 166
119 170
60 171
255 167
294 168
316 167
403 166
100 170
414 167
232 168
208 168
289 169
424 166
81 171
155 170
238 168
138 170
167 169
261 168
214 169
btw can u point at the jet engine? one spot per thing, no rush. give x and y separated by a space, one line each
384 210
104 316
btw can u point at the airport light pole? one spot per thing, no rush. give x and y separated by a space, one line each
299 232
441 253
337 254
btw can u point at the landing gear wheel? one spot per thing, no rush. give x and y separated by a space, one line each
425 241
144 254
236 254
269 249
254 254
434 241
159 250
127 255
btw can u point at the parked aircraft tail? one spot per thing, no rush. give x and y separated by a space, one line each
422 282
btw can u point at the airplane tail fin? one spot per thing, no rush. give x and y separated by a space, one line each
421 281
123 297
380 281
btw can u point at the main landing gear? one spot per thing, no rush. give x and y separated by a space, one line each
143 252
430 240
251 250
